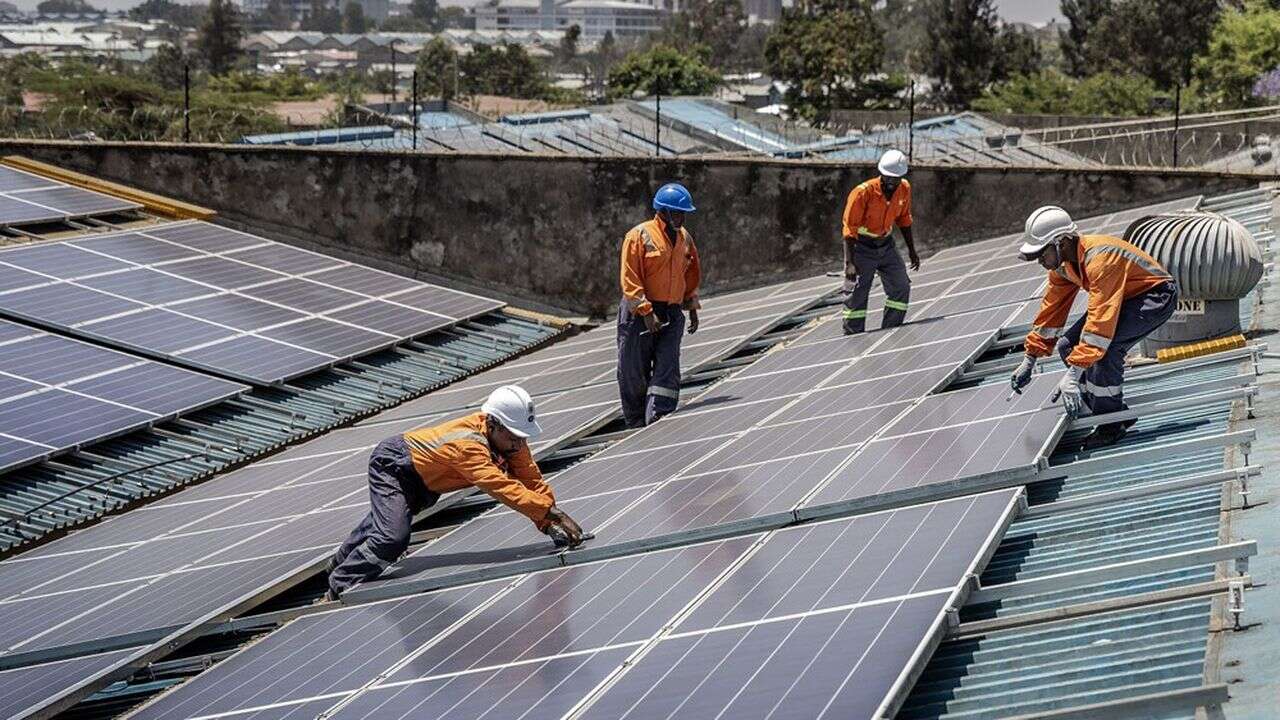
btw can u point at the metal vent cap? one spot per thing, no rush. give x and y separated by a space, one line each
1212 257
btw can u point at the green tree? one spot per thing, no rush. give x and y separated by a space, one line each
568 50
1244 45
404 24
902 25
825 50
1083 18
166 67
1017 53
664 70
218 41
438 70
1052 93
66 7
186 16
503 69
600 61
353 20
1043 93
277 15
428 11
1156 38
324 17
962 48
711 29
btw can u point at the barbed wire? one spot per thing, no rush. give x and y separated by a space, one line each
1213 146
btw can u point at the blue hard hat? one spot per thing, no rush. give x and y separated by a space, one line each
673 196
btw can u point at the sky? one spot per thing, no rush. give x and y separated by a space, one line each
1033 11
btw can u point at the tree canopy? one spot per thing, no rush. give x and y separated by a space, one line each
664 70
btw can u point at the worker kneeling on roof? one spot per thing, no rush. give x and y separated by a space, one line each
1130 295
870 214
409 472
660 273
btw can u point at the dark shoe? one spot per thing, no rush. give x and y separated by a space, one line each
1106 435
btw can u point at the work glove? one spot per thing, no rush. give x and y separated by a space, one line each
1069 392
693 321
1022 376
562 529
914 258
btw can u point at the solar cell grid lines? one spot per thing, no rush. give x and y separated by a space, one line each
26 198
57 394
221 300
566 642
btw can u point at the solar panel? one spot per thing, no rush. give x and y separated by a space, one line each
11 179
932 452
571 638
57 394
29 686
71 202
222 300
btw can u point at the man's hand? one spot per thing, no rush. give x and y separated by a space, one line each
914 257
693 321
1022 376
850 272
1069 392
564 526
651 323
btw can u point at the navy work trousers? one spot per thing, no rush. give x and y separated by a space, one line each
1103 382
873 257
649 364
396 494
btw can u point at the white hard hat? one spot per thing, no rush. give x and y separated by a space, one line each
893 163
512 406
1044 226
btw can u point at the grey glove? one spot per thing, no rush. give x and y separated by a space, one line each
1022 376
1069 391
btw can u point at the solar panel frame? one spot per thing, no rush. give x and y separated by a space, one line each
209 274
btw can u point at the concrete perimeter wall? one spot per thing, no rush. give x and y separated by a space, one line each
544 231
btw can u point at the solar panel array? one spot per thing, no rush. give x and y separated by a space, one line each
220 300
824 619
770 446
57 394
28 199
211 548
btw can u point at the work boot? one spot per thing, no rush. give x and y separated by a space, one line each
1106 435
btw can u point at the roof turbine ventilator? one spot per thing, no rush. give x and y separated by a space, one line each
1215 262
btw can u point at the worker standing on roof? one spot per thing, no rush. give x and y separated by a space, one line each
1130 295
409 472
870 214
660 276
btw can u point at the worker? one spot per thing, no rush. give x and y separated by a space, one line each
870 214
410 471
660 276
1130 295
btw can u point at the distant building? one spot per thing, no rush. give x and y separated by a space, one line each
595 17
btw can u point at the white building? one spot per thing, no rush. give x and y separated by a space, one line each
594 17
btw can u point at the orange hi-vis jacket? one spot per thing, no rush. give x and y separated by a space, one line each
456 454
655 271
868 214
1111 271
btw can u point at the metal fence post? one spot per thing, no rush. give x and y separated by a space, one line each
1177 119
415 109
186 103
911 121
657 124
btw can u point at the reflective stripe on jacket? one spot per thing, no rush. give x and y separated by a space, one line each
867 213
1113 271
456 455
655 271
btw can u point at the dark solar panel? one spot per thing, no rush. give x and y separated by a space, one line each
76 202
203 284
27 686
16 212
11 179
99 393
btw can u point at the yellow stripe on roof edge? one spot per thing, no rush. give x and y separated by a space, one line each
158 204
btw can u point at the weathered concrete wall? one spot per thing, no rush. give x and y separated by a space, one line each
546 230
